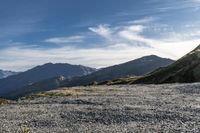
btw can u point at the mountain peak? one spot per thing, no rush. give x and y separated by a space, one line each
152 57
184 70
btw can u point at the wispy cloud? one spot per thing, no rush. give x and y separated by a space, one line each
25 58
123 34
132 33
64 40
143 20
102 30
180 5
20 59
125 42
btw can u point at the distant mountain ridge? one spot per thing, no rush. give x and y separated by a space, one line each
39 73
136 67
185 70
5 74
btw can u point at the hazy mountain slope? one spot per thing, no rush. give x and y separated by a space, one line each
44 85
136 67
185 70
39 73
5 74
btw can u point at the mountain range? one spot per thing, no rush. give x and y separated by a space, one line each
50 76
39 73
5 74
137 67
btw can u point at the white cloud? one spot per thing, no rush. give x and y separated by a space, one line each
178 37
132 32
143 20
61 40
24 58
102 30
122 46
20 59
129 34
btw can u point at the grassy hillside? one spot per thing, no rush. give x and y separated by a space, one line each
185 70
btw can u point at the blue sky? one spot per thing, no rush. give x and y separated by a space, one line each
95 33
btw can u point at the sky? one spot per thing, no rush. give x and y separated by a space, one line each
95 33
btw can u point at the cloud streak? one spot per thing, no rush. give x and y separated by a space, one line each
143 20
64 40
102 30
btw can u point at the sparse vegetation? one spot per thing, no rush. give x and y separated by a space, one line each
3 102
24 129
52 94
71 92
126 80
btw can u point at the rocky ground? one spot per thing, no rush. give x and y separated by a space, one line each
106 109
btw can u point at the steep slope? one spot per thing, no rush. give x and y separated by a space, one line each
185 70
13 83
136 67
5 74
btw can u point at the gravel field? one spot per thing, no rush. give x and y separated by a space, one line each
106 109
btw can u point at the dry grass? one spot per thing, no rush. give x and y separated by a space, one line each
126 80
4 102
75 92
61 93
24 129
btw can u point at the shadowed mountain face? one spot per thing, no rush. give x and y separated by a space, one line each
185 70
39 73
5 74
136 67
44 85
